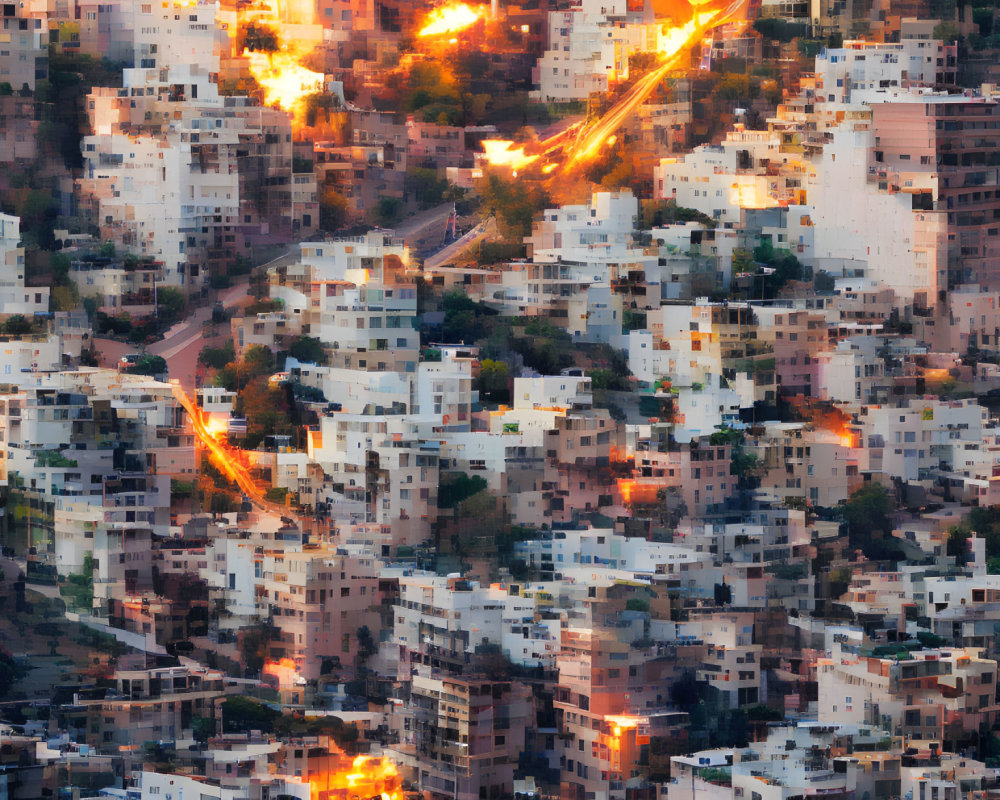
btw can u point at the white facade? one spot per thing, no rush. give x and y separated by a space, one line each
15 297
589 48
850 73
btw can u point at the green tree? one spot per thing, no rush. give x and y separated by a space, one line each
958 543
656 213
257 361
334 210
425 186
317 103
243 714
261 38
493 381
785 265
387 211
457 486
737 88
947 32
170 304
984 18
513 204
202 728
17 325
823 281
217 357
308 350
64 297
868 524
777 29
148 364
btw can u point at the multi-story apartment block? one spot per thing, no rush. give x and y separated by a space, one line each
318 599
461 736
798 461
600 740
589 48
179 173
15 297
941 151
89 457
358 296
697 345
861 69
119 285
274 330
18 139
443 622
731 663
579 450
921 438
939 695
388 467
24 59
153 705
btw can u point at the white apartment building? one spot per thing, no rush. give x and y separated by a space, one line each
921 438
24 58
170 160
455 616
577 255
721 180
858 70
15 297
589 48
386 464
358 297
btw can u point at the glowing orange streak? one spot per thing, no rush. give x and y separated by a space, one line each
222 456
451 18
367 777
681 40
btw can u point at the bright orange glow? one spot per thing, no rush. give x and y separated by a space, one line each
226 458
281 72
284 80
364 777
634 491
502 153
450 19
216 426
673 45
580 143
283 671
750 194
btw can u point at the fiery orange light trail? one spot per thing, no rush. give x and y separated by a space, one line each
281 72
562 152
284 80
676 45
366 776
223 456
450 19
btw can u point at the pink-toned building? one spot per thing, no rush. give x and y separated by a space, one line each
942 153
579 452
318 599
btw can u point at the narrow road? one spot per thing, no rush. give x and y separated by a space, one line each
181 344
426 228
